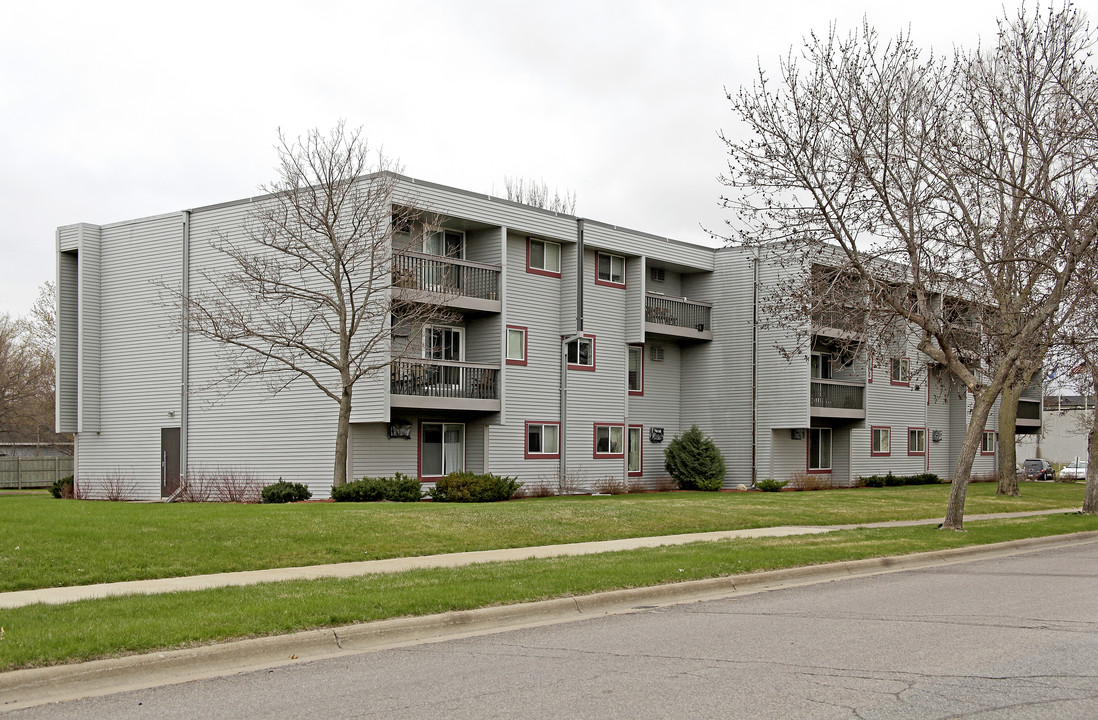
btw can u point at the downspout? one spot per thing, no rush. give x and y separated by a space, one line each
755 368
185 347
562 440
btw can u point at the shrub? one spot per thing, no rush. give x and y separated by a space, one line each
807 482
694 461
470 487
285 492
895 480
610 485
62 488
873 481
770 484
399 488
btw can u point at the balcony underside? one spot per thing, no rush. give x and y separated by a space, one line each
676 332
841 413
1025 426
430 402
464 303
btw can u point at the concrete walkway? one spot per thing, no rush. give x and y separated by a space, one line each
60 595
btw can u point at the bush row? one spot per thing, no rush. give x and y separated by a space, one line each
470 487
399 488
285 492
891 480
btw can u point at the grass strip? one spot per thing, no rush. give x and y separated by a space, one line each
51 634
46 542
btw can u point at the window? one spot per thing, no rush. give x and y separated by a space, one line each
657 353
819 450
635 456
636 369
516 345
542 440
916 441
608 441
821 366
881 441
441 449
987 445
442 343
446 243
542 257
609 270
901 371
581 353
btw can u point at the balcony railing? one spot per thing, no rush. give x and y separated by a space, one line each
1029 410
445 379
447 276
838 395
682 313
846 320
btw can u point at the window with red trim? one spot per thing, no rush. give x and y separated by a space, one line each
987 443
636 370
901 371
516 344
542 257
609 270
881 441
542 440
635 450
819 450
916 441
609 440
581 353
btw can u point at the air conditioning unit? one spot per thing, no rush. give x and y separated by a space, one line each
658 274
936 435
797 434
656 353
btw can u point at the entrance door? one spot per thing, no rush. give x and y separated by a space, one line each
169 461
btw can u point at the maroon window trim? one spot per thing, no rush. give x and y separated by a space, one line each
891 378
640 370
595 441
996 444
635 473
539 271
911 452
880 454
525 345
591 367
610 283
419 448
526 441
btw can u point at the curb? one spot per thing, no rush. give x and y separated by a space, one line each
38 686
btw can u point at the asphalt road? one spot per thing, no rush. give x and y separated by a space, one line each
1014 637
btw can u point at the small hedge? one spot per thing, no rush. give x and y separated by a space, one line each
694 461
62 488
399 488
891 480
770 484
285 492
469 487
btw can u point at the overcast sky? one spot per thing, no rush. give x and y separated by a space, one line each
117 110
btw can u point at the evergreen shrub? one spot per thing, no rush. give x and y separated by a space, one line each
470 487
285 492
694 461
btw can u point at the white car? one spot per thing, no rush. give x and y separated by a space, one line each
1075 471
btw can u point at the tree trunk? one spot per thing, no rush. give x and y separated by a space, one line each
343 429
1008 451
1090 495
962 473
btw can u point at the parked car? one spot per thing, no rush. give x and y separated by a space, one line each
1075 471
1036 469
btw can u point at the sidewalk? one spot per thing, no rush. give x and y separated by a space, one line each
60 595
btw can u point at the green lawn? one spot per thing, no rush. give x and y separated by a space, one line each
46 542
51 634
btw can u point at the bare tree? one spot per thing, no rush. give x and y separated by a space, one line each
960 196
528 192
311 289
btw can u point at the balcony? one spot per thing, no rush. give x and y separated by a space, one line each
837 399
843 323
444 385
1029 416
459 284
677 317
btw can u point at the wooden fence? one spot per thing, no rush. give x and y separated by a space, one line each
33 472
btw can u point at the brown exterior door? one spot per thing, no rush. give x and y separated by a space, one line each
169 461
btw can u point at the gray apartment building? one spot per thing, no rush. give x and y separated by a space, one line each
573 348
